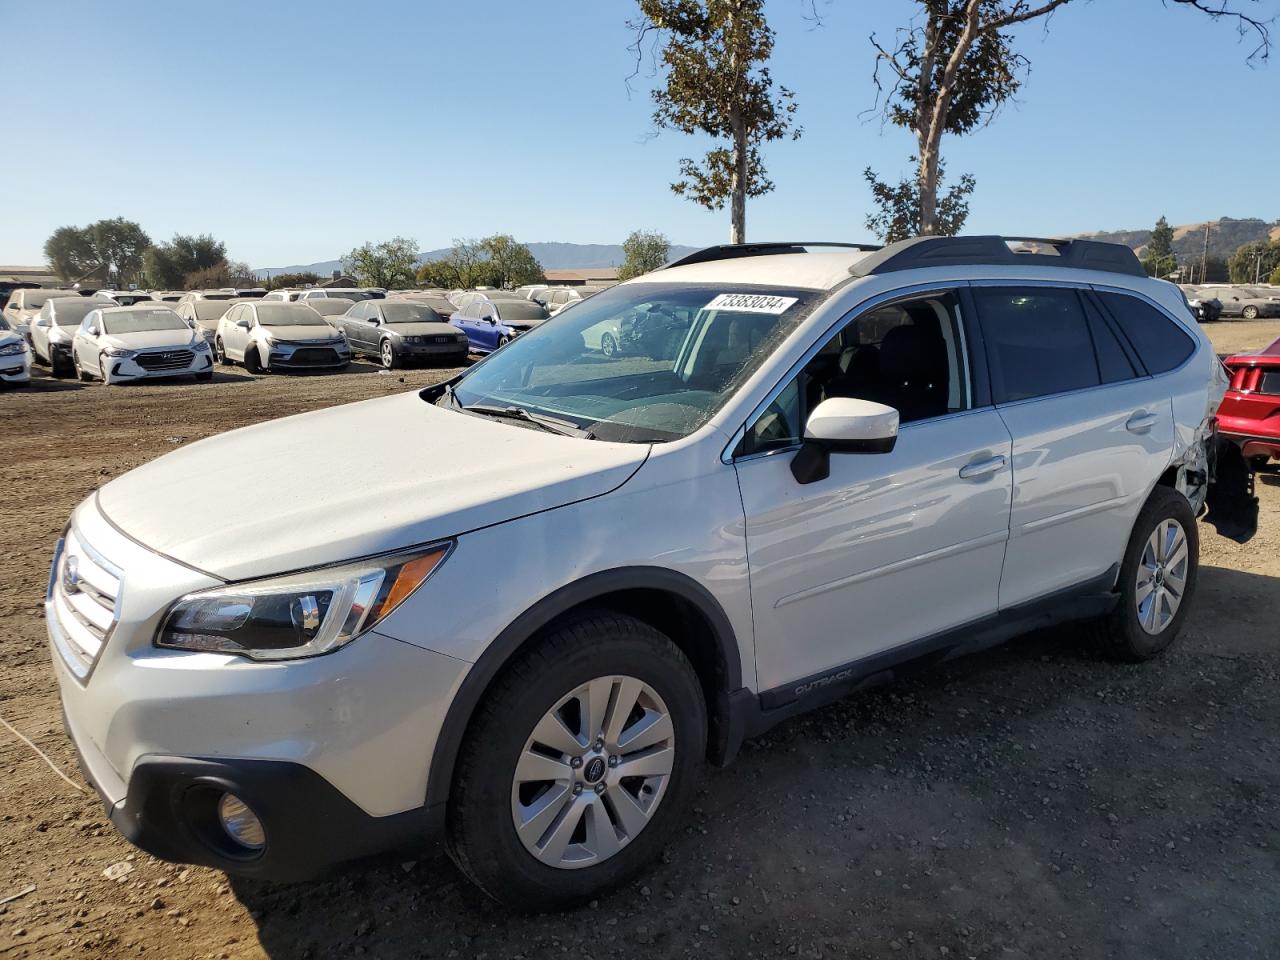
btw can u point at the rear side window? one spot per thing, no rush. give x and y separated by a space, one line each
1114 364
1038 342
1269 383
1160 343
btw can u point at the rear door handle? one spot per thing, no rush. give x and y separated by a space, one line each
1140 422
982 468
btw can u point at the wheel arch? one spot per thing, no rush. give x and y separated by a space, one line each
669 601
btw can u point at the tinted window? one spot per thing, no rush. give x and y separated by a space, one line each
1161 344
1038 341
1113 363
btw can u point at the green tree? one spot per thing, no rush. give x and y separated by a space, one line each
643 252
1160 260
1274 279
510 264
169 264
1252 261
897 213
387 264
293 280
439 273
954 66
715 55
112 250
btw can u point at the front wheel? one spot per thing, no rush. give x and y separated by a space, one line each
1250 313
1157 579
578 765
252 359
388 354
608 345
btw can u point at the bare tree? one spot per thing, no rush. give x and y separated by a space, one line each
953 69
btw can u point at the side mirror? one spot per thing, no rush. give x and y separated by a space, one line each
42 323
375 321
493 321
242 324
843 425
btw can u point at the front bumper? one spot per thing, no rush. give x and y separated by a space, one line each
302 356
148 365
331 752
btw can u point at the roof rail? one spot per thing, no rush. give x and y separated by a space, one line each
922 252
729 251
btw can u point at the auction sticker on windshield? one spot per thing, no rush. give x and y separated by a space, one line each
751 303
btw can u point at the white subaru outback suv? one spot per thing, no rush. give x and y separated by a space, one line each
523 609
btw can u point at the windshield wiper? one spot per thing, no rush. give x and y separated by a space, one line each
565 428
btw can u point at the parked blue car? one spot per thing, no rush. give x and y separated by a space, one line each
489 324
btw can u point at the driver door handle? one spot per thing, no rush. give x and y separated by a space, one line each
976 469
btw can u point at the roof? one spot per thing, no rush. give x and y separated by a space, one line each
584 274
813 271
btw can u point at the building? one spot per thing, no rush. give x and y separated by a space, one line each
16 275
585 277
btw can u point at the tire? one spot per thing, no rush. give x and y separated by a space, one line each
599 648
608 345
387 355
502 342
1250 312
221 353
1122 632
252 359
59 371
102 371
80 374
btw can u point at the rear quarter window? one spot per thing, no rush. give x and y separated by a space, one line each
1160 343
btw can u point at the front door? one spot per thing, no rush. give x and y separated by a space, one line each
889 548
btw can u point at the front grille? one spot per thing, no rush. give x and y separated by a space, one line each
84 598
169 360
316 355
444 339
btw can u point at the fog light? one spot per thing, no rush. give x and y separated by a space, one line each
241 824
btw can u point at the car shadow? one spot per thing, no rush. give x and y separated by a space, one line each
935 800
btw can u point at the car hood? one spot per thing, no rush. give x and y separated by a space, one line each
149 339
425 329
317 331
352 481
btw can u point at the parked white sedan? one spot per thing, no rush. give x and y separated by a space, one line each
122 344
15 358
279 336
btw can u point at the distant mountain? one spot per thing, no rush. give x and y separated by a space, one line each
1225 235
552 256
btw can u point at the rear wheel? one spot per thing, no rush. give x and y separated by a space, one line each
1250 312
1157 579
578 764
608 345
221 353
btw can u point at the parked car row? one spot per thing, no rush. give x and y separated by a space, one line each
1222 301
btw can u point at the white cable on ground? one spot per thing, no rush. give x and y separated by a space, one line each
41 754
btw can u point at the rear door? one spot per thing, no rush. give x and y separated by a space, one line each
1091 434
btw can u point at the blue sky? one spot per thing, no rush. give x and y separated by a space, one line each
294 131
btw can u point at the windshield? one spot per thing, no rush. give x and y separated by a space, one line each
141 321
330 306
69 311
642 362
520 311
211 309
287 315
409 313
352 295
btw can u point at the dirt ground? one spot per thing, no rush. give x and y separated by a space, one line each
1034 801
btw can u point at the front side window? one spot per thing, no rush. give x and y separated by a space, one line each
1038 341
678 353
907 355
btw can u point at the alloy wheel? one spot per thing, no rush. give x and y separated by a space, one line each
388 354
593 772
1162 576
608 345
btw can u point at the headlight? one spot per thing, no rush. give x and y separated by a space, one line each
301 615
200 346
13 349
118 352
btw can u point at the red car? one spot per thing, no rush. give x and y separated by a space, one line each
1250 411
